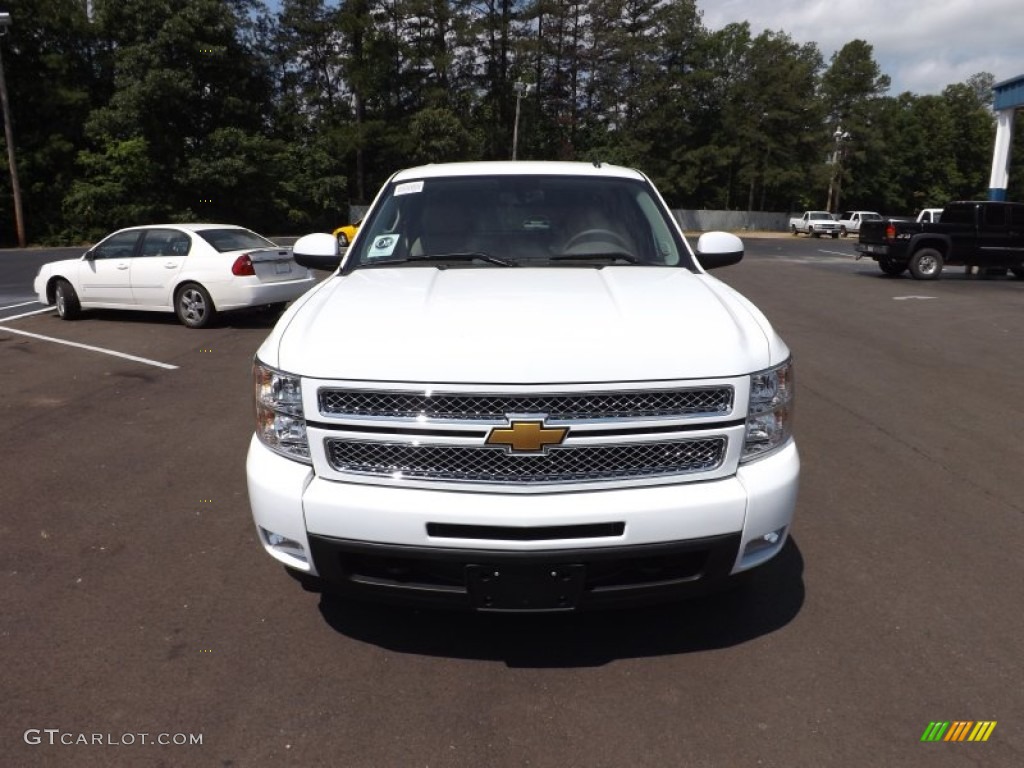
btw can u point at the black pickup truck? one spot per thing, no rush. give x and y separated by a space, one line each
984 234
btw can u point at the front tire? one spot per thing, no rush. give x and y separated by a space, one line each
193 306
926 264
843 232
68 305
794 231
1017 272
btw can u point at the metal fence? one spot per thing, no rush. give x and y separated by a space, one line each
732 221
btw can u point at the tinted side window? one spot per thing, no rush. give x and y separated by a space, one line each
120 245
958 214
165 242
1017 215
995 215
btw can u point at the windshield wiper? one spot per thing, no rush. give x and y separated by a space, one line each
455 256
609 255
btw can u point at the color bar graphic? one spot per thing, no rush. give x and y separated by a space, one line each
958 730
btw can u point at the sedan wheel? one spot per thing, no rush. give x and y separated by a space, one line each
68 307
193 306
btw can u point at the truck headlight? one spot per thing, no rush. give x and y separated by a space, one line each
280 422
770 414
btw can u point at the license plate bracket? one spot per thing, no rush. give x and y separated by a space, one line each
513 587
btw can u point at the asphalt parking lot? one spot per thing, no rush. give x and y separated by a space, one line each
138 601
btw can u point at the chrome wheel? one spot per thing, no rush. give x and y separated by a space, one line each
194 307
926 264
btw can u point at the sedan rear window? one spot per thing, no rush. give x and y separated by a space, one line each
224 240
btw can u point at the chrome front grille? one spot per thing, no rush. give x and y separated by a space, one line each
690 402
579 463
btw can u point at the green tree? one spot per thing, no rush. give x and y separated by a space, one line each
773 120
48 43
974 131
183 70
851 88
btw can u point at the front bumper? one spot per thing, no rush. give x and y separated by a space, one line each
443 548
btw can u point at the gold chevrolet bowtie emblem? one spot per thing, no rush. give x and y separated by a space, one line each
527 436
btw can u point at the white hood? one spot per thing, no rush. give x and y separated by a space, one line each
522 326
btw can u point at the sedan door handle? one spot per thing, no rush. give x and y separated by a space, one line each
170 265
122 266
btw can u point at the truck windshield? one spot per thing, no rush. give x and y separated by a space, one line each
520 220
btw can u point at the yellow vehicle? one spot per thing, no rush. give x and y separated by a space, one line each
346 233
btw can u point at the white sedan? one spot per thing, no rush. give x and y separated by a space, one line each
193 270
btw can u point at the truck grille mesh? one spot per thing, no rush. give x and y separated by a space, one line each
495 465
700 401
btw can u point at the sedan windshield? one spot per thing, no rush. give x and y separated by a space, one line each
520 220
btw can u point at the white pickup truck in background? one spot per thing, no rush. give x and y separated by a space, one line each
815 224
850 221
929 215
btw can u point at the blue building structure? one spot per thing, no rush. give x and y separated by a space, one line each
1009 97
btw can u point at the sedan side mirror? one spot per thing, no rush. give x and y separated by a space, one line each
317 251
719 249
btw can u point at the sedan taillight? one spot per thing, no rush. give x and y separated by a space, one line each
243 266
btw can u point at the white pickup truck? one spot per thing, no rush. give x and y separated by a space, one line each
815 224
850 221
521 390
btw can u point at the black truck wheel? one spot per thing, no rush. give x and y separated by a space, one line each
926 264
1017 272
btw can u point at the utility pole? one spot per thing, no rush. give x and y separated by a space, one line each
835 180
521 89
5 22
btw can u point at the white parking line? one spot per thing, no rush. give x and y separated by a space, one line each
14 306
89 347
835 253
27 314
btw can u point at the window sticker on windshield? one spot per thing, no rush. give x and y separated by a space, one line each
383 245
409 188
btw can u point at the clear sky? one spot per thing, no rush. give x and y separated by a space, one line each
923 45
